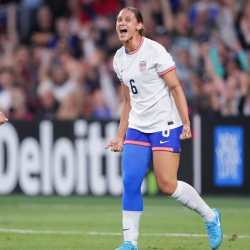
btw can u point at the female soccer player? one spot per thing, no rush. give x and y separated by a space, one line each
154 119
3 119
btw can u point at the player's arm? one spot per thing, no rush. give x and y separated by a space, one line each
3 119
175 88
117 143
122 130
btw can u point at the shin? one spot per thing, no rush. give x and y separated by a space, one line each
135 163
188 197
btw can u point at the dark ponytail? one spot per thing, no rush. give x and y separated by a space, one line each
139 18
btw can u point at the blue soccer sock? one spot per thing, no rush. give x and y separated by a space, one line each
135 161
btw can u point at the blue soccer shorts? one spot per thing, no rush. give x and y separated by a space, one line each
167 140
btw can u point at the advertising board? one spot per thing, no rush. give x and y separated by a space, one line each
67 158
225 154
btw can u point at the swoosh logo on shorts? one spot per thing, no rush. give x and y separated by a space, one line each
161 142
125 229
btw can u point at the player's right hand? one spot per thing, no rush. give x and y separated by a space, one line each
116 144
3 119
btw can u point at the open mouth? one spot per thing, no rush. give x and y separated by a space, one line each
123 31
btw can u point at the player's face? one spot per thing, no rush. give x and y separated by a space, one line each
127 25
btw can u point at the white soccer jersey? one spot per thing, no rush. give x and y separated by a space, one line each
153 107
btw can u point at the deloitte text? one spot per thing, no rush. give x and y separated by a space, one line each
69 159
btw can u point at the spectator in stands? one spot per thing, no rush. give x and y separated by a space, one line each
244 106
243 26
49 105
43 31
183 68
69 107
63 41
7 82
63 75
77 16
100 109
205 9
202 87
72 49
25 70
19 109
113 97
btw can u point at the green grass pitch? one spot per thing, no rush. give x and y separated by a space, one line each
77 216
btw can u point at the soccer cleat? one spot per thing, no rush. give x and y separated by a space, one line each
214 230
127 246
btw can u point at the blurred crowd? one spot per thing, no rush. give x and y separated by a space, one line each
56 57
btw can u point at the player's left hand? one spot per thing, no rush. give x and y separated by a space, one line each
3 119
186 132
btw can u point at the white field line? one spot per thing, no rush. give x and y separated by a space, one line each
30 231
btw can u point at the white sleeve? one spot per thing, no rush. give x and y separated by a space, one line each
116 69
162 60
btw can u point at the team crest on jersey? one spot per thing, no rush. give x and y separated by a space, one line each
142 65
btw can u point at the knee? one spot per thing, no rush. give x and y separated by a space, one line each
131 185
167 186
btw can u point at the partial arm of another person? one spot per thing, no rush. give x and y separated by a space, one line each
244 25
176 90
45 65
11 41
108 88
11 24
3 119
41 38
168 18
241 55
209 68
117 143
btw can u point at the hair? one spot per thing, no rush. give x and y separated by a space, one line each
8 70
139 18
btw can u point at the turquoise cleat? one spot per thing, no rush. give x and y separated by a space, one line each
127 246
214 230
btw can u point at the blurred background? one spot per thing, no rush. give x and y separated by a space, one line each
63 98
56 56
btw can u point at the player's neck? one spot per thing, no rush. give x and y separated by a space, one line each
132 43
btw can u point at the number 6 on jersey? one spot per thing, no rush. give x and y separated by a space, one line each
133 88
